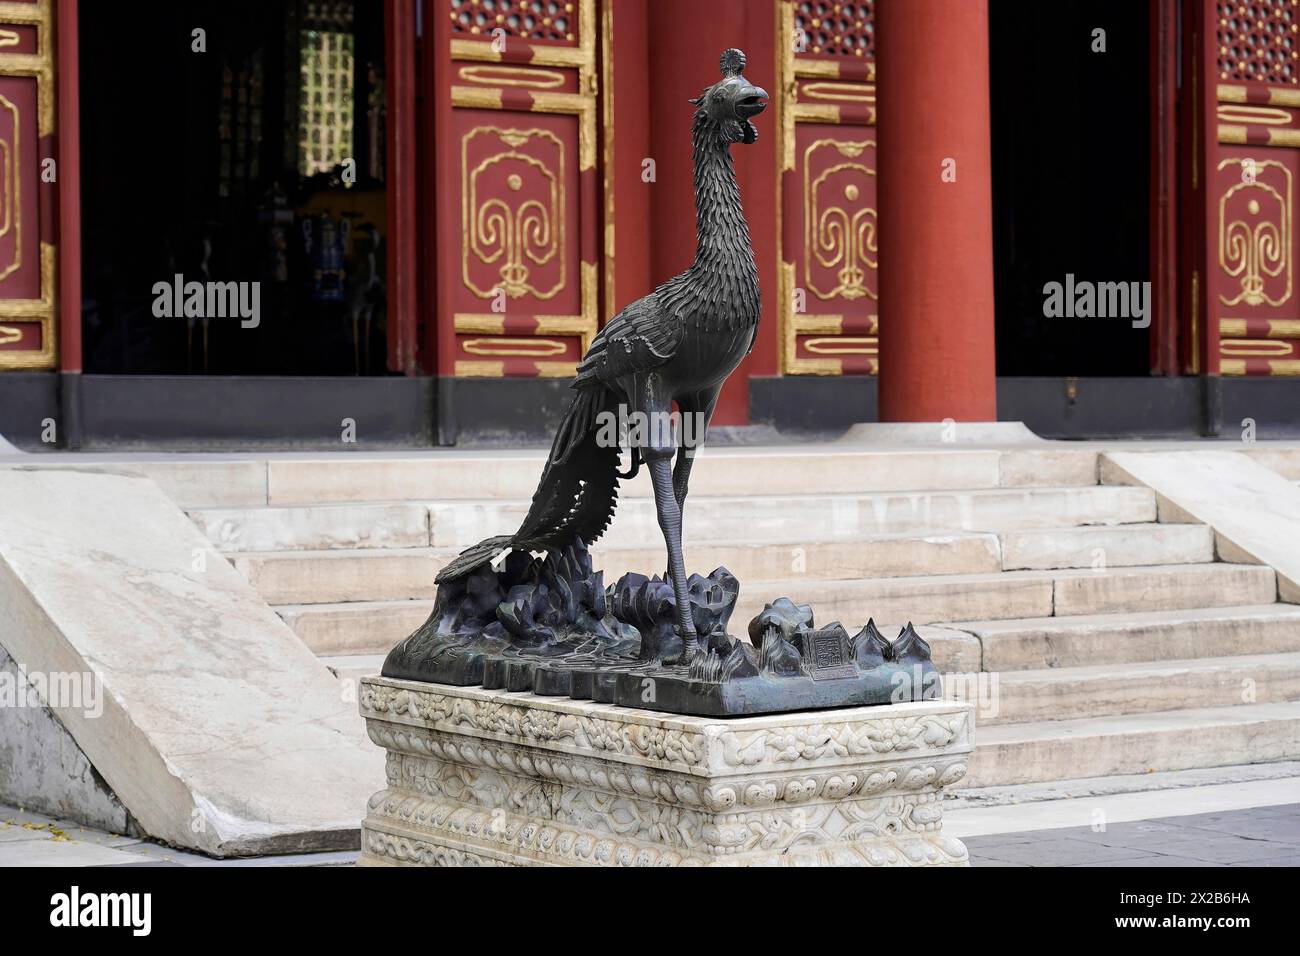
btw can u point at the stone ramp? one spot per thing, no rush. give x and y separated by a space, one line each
1254 511
218 730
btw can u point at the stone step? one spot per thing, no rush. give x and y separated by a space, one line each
770 519
199 480
1162 588
1135 636
316 528
906 555
310 577
353 667
1019 594
779 518
1106 689
357 627
1106 546
372 627
361 574
204 480
869 556
329 577
1134 743
825 469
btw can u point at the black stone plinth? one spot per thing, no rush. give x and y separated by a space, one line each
548 626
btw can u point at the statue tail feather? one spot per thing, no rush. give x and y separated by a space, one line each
474 556
575 496
578 419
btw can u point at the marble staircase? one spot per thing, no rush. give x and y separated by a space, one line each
1095 637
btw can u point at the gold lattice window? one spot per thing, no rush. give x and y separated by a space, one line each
326 100
836 29
1258 41
526 19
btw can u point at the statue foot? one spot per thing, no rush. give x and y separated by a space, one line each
690 647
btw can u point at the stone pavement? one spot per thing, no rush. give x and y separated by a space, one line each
1253 836
1245 815
1256 836
30 839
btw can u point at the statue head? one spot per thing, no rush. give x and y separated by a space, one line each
730 103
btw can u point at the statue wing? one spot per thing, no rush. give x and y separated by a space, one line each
640 338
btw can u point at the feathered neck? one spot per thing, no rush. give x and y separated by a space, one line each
720 227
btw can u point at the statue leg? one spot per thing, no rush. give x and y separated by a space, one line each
670 522
697 409
657 448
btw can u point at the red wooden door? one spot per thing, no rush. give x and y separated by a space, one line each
1240 177
828 260
514 151
28 334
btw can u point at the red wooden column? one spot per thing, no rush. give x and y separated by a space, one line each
69 152
936 235
401 133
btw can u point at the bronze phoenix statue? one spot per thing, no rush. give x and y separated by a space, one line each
548 624
677 344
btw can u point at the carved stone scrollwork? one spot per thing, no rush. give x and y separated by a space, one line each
478 777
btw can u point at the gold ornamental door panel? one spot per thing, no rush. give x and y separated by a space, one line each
1243 314
517 152
828 237
27 182
1251 295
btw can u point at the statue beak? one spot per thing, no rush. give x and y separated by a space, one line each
751 102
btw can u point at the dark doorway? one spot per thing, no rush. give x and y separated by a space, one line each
240 145
1071 178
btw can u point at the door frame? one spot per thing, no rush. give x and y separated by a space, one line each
400 29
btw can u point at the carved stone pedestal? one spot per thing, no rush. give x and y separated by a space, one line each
491 777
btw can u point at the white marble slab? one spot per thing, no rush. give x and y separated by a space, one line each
215 726
1254 511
